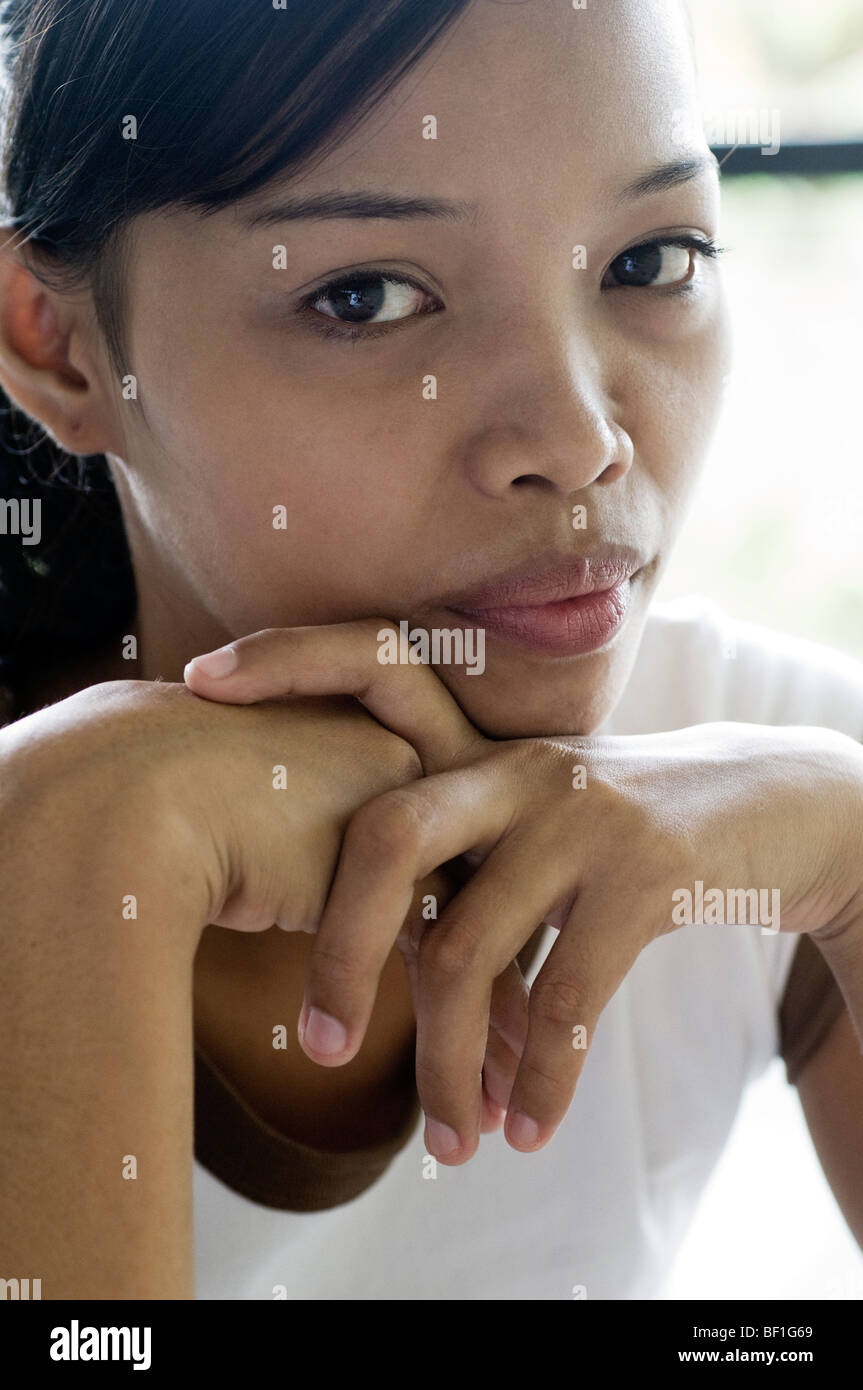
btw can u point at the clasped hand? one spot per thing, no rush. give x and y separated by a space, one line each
600 837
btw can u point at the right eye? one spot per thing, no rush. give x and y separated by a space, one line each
367 298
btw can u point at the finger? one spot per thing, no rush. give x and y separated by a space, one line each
492 1117
593 953
495 1078
391 843
508 1020
509 1010
498 1054
341 659
500 1064
475 941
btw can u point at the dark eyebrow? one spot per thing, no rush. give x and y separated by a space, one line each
669 175
371 204
360 204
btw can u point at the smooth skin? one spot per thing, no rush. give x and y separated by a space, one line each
133 815
556 387
602 862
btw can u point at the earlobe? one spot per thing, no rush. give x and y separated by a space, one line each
35 370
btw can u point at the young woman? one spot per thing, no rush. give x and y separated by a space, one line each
398 330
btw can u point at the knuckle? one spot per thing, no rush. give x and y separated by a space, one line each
406 765
390 826
557 1000
448 952
265 637
523 755
535 1074
333 965
443 1095
432 1077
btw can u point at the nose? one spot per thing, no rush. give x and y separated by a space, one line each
552 428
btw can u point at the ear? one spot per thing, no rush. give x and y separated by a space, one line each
47 359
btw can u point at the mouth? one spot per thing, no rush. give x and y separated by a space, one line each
566 607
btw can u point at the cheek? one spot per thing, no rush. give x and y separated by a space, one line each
238 438
298 507
672 402
346 467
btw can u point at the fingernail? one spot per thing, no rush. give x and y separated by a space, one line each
523 1131
440 1139
218 663
324 1034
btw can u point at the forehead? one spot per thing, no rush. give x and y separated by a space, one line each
528 90
543 114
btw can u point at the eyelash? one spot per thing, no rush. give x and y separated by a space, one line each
706 247
703 246
335 328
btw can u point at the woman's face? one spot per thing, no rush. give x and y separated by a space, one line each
559 379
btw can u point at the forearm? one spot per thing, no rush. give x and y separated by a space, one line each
843 952
841 941
831 1084
96 1096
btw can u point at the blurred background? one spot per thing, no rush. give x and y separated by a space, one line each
776 531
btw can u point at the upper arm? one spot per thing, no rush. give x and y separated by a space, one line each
96 1090
830 1087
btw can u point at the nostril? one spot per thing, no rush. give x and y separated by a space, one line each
532 479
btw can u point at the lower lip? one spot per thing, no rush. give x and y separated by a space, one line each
570 627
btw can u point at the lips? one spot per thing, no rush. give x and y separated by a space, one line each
564 608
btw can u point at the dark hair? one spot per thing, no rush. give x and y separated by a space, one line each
227 95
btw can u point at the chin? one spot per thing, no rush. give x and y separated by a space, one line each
571 700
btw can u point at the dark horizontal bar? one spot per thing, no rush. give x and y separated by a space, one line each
839 157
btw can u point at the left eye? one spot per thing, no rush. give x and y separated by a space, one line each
369 298
656 264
